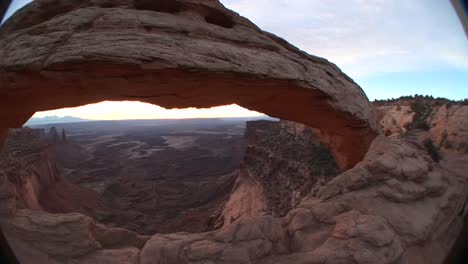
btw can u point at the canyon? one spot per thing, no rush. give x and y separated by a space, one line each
337 180
286 200
134 174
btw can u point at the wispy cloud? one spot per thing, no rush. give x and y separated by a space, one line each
366 37
415 46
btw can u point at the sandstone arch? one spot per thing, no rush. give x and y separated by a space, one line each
194 53
180 53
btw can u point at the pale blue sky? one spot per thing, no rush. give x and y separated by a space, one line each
389 47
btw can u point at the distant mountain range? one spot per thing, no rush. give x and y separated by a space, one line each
39 121
53 119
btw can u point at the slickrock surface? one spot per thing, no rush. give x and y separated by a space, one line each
178 53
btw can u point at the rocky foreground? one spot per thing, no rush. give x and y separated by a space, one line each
406 202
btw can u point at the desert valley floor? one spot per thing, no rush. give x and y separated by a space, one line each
150 176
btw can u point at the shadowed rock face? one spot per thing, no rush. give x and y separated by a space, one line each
282 164
175 54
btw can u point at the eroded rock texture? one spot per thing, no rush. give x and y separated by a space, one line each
283 162
177 53
384 210
398 205
30 164
443 121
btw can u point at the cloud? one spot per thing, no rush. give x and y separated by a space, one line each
366 37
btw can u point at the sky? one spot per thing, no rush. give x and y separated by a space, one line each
390 48
108 110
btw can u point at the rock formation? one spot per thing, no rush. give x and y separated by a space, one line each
53 135
384 210
444 122
178 53
29 162
393 202
64 136
283 163
398 205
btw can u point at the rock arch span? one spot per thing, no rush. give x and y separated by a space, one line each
184 53
195 53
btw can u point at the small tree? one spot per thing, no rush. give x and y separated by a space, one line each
432 150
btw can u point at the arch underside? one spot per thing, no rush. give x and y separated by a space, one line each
194 54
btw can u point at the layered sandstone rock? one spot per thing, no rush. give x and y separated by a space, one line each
442 121
32 187
29 163
283 163
39 237
191 194
178 53
449 127
380 211
396 206
395 119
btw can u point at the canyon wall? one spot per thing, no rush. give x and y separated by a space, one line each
191 196
33 188
442 121
284 161
398 205
30 164
385 210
